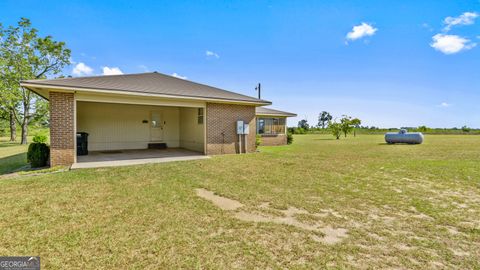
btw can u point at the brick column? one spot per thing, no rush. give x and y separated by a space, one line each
222 118
62 128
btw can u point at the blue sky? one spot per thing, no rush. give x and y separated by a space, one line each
404 63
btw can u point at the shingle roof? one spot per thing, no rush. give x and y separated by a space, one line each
150 83
273 112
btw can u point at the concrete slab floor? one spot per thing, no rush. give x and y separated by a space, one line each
98 159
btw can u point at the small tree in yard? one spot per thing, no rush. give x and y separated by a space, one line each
335 128
346 125
355 122
323 118
24 56
303 124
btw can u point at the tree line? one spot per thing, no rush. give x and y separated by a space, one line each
25 55
345 125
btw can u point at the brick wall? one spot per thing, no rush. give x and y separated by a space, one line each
222 135
271 140
62 128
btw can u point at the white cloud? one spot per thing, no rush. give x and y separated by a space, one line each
466 18
451 44
212 54
178 76
82 70
361 30
111 71
445 104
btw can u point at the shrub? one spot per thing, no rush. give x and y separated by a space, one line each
40 138
296 130
258 140
289 138
38 154
300 131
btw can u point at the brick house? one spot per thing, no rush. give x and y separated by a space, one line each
136 111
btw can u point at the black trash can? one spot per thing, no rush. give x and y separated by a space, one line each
82 143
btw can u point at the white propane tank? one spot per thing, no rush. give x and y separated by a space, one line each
403 136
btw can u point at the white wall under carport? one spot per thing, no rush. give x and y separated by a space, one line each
117 126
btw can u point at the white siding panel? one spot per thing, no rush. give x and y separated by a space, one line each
120 126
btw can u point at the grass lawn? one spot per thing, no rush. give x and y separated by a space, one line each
401 206
12 155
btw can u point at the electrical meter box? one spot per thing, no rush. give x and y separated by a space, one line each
246 129
240 127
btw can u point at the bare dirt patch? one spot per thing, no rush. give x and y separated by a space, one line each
331 235
219 201
286 217
286 220
459 253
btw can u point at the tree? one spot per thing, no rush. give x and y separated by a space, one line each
346 124
323 118
303 124
355 122
335 128
8 105
465 129
42 113
422 128
27 56
8 99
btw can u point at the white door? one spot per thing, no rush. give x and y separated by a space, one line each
156 126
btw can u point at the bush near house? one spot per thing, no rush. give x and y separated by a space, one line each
38 152
289 138
40 138
258 140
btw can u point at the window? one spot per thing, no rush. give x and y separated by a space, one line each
200 116
260 126
270 126
155 122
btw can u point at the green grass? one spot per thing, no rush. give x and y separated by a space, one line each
404 206
12 156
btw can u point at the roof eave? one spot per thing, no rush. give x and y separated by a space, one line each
31 86
272 114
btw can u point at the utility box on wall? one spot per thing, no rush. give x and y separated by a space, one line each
240 127
246 129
